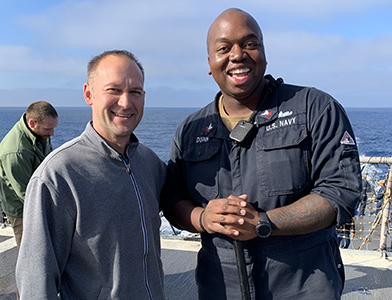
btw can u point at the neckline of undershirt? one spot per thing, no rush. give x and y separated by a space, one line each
229 121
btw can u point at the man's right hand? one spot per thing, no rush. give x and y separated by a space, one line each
232 216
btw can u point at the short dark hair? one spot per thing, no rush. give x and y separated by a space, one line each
94 62
40 110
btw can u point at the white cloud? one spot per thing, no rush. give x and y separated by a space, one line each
100 24
169 39
24 58
13 57
296 51
313 9
359 67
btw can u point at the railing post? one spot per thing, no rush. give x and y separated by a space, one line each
385 211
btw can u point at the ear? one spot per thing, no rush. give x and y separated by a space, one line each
88 95
31 123
209 72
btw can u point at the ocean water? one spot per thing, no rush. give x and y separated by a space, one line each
155 130
372 127
373 130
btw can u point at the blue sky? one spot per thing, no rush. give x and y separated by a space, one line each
341 47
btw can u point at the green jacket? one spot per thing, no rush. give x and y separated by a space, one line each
19 157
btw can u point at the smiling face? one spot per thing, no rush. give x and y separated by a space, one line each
115 93
236 55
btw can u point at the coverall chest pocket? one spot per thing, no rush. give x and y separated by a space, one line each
283 159
202 168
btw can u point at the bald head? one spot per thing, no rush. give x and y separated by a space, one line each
224 20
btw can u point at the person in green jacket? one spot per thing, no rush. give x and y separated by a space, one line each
21 151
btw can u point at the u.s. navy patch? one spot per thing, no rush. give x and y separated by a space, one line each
347 139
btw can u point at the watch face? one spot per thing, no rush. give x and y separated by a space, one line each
264 230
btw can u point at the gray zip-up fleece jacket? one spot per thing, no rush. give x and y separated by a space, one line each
91 224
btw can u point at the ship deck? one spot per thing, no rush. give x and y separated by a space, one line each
368 272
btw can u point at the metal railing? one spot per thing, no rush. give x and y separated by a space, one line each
377 171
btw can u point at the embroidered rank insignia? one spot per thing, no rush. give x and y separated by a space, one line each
209 127
347 139
268 114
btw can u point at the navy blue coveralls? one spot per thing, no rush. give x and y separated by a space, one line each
304 144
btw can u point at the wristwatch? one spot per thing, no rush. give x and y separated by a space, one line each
263 228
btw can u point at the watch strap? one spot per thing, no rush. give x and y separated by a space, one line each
263 218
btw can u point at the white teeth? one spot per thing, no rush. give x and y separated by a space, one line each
240 71
123 116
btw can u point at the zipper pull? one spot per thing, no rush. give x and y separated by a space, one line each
126 163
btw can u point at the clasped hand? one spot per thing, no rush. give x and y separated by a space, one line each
232 216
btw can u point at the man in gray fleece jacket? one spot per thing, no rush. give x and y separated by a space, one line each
92 207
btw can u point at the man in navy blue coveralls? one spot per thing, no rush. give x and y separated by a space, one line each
280 190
